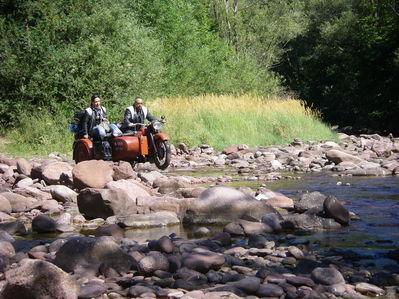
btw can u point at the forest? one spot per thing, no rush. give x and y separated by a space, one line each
340 57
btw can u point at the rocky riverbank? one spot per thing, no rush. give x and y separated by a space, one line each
258 254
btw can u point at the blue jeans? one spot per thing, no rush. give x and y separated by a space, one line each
98 132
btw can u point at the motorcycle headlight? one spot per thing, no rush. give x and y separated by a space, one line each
156 125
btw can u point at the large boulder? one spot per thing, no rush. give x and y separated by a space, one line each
225 204
51 172
337 157
86 250
39 279
84 175
103 203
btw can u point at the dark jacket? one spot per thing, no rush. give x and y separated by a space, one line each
93 118
139 117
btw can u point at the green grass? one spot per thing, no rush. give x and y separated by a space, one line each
219 121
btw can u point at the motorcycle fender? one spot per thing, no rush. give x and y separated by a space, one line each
143 145
83 150
161 136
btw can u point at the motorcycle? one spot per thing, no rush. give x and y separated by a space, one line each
148 144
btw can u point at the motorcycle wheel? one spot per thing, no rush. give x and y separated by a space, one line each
162 158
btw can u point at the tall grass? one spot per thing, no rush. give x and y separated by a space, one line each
222 121
219 121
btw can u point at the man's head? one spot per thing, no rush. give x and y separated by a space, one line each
95 100
138 103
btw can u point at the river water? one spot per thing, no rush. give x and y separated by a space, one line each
375 200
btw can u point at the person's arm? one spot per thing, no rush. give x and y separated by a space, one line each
150 117
85 125
126 118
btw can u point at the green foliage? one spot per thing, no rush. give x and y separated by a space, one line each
345 62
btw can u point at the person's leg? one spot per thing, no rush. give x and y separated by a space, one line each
98 132
115 130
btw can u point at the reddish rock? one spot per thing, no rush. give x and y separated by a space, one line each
92 174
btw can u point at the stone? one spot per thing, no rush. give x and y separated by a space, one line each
224 204
6 249
23 166
61 193
112 230
337 157
203 261
83 175
103 203
162 218
369 289
310 200
308 222
275 199
133 188
14 228
153 262
123 171
273 221
327 276
87 250
51 172
168 185
18 202
269 290
249 285
5 205
43 224
39 279
334 209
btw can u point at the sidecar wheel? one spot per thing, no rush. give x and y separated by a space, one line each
162 158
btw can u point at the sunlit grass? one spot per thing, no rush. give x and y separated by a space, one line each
219 121
222 121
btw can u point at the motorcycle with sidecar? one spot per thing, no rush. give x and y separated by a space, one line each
148 144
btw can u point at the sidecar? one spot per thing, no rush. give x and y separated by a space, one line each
125 148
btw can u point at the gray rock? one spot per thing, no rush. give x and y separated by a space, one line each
224 204
269 290
112 230
103 203
249 285
309 222
337 157
310 200
43 224
203 261
86 250
327 276
92 290
13 228
18 202
334 209
163 218
39 279
61 193
153 262
6 249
